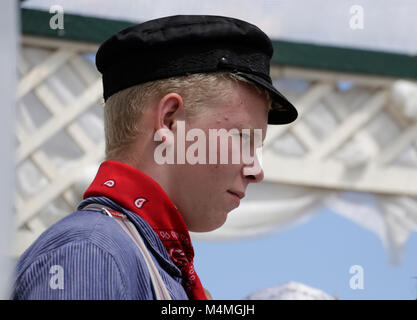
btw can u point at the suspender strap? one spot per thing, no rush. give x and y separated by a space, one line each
161 292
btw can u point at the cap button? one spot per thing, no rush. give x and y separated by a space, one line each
224 60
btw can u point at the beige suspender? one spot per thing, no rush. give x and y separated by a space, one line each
159 287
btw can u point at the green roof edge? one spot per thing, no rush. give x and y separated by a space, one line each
305 55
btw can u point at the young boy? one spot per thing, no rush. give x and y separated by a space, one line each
168 85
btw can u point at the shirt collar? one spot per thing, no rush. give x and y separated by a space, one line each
138 193
145 230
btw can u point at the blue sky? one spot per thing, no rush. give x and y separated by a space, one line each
317 253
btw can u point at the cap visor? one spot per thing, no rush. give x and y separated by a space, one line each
284 114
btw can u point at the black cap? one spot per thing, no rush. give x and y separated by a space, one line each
187 44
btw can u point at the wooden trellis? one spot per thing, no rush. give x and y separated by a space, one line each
354 111
43 77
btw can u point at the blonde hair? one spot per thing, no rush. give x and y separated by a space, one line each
123 110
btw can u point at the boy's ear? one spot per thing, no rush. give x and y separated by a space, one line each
170 109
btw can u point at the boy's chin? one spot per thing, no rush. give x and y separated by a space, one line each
208 228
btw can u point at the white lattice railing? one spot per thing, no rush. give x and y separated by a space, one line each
60 133
354 139
59 96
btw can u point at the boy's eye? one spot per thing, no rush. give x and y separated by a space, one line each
245 136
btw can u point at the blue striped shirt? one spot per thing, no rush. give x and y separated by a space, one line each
87 255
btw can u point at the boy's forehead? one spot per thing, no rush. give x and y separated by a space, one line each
241 126
233 117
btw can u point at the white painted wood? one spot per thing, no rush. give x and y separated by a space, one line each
408 137
40 72
349 126
339 108
304 104
331 76
45 95
40 159
27 119
305 135
85 70
50 101
333 175
53 43
398 116
20 132
91 95
61 182
341 113
80 137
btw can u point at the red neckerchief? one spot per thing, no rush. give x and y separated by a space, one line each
137 192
